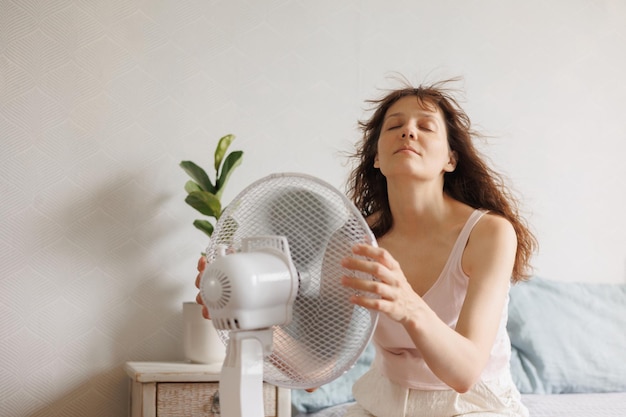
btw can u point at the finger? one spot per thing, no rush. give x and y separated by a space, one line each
201 263
205 310
360 264
371 303
375 253
201 268
199 299
373 268
354 264
198 278
205 313
311 389
368 288
361 285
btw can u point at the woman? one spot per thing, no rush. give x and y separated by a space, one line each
450 243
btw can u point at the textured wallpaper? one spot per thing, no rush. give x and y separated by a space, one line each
100 100
97 99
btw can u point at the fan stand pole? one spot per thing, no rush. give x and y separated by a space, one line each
241 379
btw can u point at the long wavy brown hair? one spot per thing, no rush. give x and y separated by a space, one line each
473 182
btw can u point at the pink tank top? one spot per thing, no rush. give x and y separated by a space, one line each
397 357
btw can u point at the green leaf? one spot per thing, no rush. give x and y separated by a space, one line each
191 186
199 175
204 226
220 150
233 160
206 203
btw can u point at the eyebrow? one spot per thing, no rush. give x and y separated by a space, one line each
423 113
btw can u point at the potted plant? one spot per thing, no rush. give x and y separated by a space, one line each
205 195
201 343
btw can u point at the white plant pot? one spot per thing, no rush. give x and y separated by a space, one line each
201 343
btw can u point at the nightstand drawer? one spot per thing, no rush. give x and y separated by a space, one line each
176 389
199 399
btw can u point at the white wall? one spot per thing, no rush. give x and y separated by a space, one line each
100 100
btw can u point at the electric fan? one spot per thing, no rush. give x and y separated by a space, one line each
272 287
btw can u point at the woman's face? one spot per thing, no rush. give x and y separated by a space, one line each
413 141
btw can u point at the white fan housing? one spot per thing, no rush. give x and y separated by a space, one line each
253 289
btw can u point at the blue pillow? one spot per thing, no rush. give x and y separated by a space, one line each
336 392
568 337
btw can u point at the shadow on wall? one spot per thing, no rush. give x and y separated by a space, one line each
117 299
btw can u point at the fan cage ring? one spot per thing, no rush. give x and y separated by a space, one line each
327 333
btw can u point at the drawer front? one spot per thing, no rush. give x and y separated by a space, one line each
199 399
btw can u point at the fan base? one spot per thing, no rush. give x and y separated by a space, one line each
241 379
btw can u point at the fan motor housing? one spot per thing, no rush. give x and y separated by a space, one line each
247 291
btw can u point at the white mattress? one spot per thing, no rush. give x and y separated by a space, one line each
562 405
577 405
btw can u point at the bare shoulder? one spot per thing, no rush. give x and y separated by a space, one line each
493 227
492 244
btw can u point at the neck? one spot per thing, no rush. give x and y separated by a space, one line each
418 207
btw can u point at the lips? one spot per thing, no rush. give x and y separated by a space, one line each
407 148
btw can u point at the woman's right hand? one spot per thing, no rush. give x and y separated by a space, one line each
201 267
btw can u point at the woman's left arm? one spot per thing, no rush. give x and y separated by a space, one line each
457 356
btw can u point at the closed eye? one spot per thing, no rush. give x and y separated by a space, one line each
393 121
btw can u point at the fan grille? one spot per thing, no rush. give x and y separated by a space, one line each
327 333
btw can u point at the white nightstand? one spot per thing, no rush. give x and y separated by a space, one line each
178 389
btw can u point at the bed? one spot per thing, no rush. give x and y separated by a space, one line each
568 345
540 405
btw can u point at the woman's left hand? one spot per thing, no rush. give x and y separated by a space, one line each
396 296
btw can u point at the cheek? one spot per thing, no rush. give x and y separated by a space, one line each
383 144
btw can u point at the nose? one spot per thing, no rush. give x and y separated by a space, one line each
408 133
